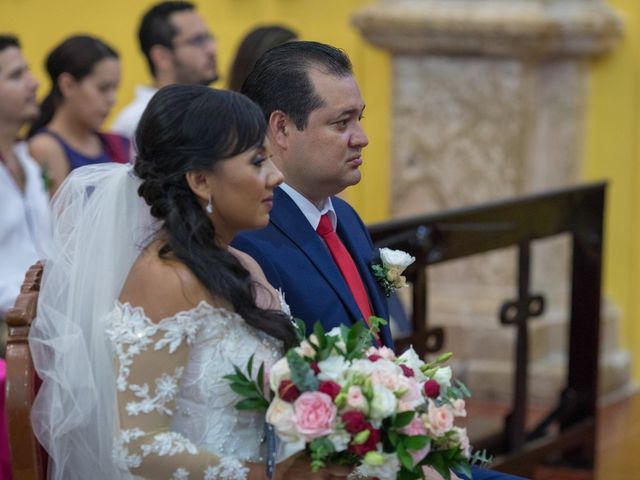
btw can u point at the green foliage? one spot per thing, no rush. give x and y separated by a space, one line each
300 330
320 449
251 390
301 373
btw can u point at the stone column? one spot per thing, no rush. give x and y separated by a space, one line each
489 102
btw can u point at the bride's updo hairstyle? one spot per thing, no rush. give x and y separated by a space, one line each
186 128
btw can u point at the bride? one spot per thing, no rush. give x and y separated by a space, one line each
144 307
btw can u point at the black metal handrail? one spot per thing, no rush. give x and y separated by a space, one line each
450 235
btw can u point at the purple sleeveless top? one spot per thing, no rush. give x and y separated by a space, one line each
108 154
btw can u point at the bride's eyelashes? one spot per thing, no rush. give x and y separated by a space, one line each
259 159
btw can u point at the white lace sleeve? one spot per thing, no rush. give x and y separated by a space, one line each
150 359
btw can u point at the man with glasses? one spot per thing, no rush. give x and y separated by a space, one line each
179 48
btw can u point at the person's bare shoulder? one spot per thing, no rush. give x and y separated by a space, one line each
250 264
44 148
162 287
50 155
266 295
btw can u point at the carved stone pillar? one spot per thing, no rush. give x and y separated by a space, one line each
489 102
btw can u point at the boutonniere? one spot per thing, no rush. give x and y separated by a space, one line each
389 271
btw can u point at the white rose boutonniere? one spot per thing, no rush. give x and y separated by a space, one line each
389 272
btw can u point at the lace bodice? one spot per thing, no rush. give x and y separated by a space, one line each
183 423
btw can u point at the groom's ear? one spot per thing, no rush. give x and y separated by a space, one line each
280 128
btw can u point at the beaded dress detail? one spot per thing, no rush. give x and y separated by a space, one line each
185 424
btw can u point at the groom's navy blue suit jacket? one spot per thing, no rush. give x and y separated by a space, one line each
295 259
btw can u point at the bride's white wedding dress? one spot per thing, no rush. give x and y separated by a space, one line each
177 413
119 392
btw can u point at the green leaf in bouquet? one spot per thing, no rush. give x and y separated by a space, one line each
300 330
405 458
252 404
403 419
245 390
318 329
463 467
320 448
439 464
260 376
301 373
415 442
393 437
358 341
250 365
375 322
462 387
405 474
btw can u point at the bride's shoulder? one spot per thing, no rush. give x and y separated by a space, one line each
162 288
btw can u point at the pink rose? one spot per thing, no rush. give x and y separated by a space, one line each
314 414
356 399
459 409
416 427
439 420
412 396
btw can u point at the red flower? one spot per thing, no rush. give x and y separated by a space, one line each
369 445
329 387
408 371
287 391
374 357
431 388
354 421
314 366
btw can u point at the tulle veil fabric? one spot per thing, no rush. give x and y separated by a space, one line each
100 227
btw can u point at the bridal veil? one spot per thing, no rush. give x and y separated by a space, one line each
100 227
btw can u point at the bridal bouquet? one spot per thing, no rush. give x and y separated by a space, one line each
354 404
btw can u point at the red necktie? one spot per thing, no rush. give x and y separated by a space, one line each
346 265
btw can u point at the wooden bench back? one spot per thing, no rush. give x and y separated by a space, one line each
28 458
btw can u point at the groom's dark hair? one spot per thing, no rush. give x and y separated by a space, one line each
280 80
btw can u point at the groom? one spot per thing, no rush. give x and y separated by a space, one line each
313 107
315 248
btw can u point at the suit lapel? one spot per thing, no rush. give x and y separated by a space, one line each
287 217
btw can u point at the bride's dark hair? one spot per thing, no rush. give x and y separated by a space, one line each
186 128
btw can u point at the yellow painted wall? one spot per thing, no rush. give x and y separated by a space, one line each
613 152
41 24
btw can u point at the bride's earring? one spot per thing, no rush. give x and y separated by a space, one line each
209 207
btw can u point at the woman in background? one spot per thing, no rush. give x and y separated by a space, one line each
85 74
255 43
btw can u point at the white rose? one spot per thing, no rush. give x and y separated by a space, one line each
411 359
280 371
305 349
332 368
443 376
281 415
396 258
459 409
363 367
335 332
384 403
387 374
340 440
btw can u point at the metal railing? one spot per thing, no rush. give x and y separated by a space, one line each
568 432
